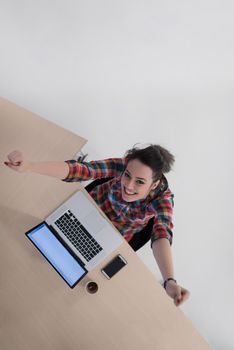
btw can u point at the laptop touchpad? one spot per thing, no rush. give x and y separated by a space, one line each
94 222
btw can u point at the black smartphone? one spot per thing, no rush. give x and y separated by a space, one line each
114 266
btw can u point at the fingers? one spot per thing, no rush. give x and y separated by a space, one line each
11 163
15 161
15 157
178 299
14 166
182 297
178 294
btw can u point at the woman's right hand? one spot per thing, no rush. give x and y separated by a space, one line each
16 161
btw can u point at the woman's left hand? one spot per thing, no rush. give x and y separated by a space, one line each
177 293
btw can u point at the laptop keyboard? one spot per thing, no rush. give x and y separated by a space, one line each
78 235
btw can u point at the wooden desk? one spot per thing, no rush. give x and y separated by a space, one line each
37 309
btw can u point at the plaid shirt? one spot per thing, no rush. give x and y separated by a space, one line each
127 217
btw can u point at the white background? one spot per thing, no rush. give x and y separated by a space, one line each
122 72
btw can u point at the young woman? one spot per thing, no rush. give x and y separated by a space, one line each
137 192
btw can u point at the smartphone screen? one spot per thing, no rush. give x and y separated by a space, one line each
114 266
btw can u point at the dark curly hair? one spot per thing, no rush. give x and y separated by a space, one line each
156 157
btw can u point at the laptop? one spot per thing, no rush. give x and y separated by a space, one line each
75 238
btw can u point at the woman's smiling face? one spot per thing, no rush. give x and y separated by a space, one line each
137 181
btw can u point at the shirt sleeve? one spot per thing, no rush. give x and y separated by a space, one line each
163 225
82 171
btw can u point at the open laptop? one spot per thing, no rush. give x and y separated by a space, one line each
76 237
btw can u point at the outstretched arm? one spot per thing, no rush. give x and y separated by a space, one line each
70 170
18 162
163 256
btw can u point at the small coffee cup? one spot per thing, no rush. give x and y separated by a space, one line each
91 287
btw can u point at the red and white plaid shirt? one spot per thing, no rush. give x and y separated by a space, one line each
127 217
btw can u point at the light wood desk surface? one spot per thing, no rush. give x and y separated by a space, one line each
37 309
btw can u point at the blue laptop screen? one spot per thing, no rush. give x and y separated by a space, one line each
58 256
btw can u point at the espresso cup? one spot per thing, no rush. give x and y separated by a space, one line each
91 287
